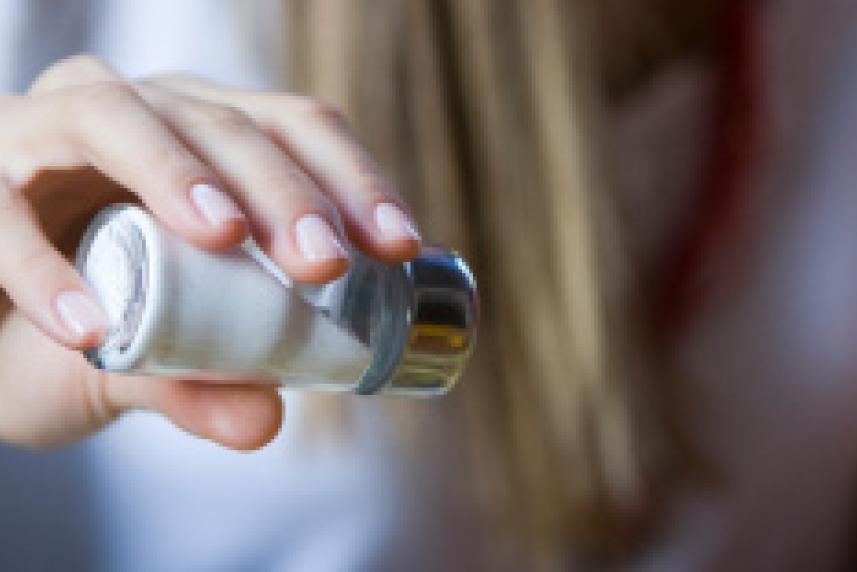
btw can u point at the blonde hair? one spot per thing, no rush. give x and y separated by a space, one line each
487 114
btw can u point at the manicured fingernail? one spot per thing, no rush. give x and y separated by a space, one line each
81 315
215 206
316 239
394 224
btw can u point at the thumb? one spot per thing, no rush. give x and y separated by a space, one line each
50 395
242 417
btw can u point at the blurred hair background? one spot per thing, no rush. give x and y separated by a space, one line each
494 117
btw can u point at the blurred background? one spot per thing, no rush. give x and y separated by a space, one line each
655 196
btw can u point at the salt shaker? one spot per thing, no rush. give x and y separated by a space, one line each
176 310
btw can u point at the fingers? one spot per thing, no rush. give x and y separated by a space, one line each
71 71
183 186
241 417
180 159
122 137
315 148
317 138
50 395
292 219
108 126
41 282
79 112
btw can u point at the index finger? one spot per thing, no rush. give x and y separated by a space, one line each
106 124
317 137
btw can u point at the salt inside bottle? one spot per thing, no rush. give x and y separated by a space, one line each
176 310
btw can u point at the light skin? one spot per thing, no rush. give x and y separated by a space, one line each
214 165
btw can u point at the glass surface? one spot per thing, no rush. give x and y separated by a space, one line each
372 303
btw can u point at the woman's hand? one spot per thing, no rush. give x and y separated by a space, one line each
212 164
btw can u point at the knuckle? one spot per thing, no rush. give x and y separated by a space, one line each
86 65
226 118
73 69
323 113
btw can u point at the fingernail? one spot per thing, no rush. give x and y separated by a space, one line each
394 224
215 206
81 315
316 239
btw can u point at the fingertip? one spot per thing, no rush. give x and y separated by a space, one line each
220 223
388 251
393 224
226 235
312 252
387 233
319 272
85 322
241 417
235 231
316 240
90 340
396 251
248 419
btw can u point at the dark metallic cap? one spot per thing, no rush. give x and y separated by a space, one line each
445 312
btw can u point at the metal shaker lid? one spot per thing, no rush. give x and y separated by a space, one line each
443 321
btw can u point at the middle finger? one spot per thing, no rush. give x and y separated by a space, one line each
291 218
